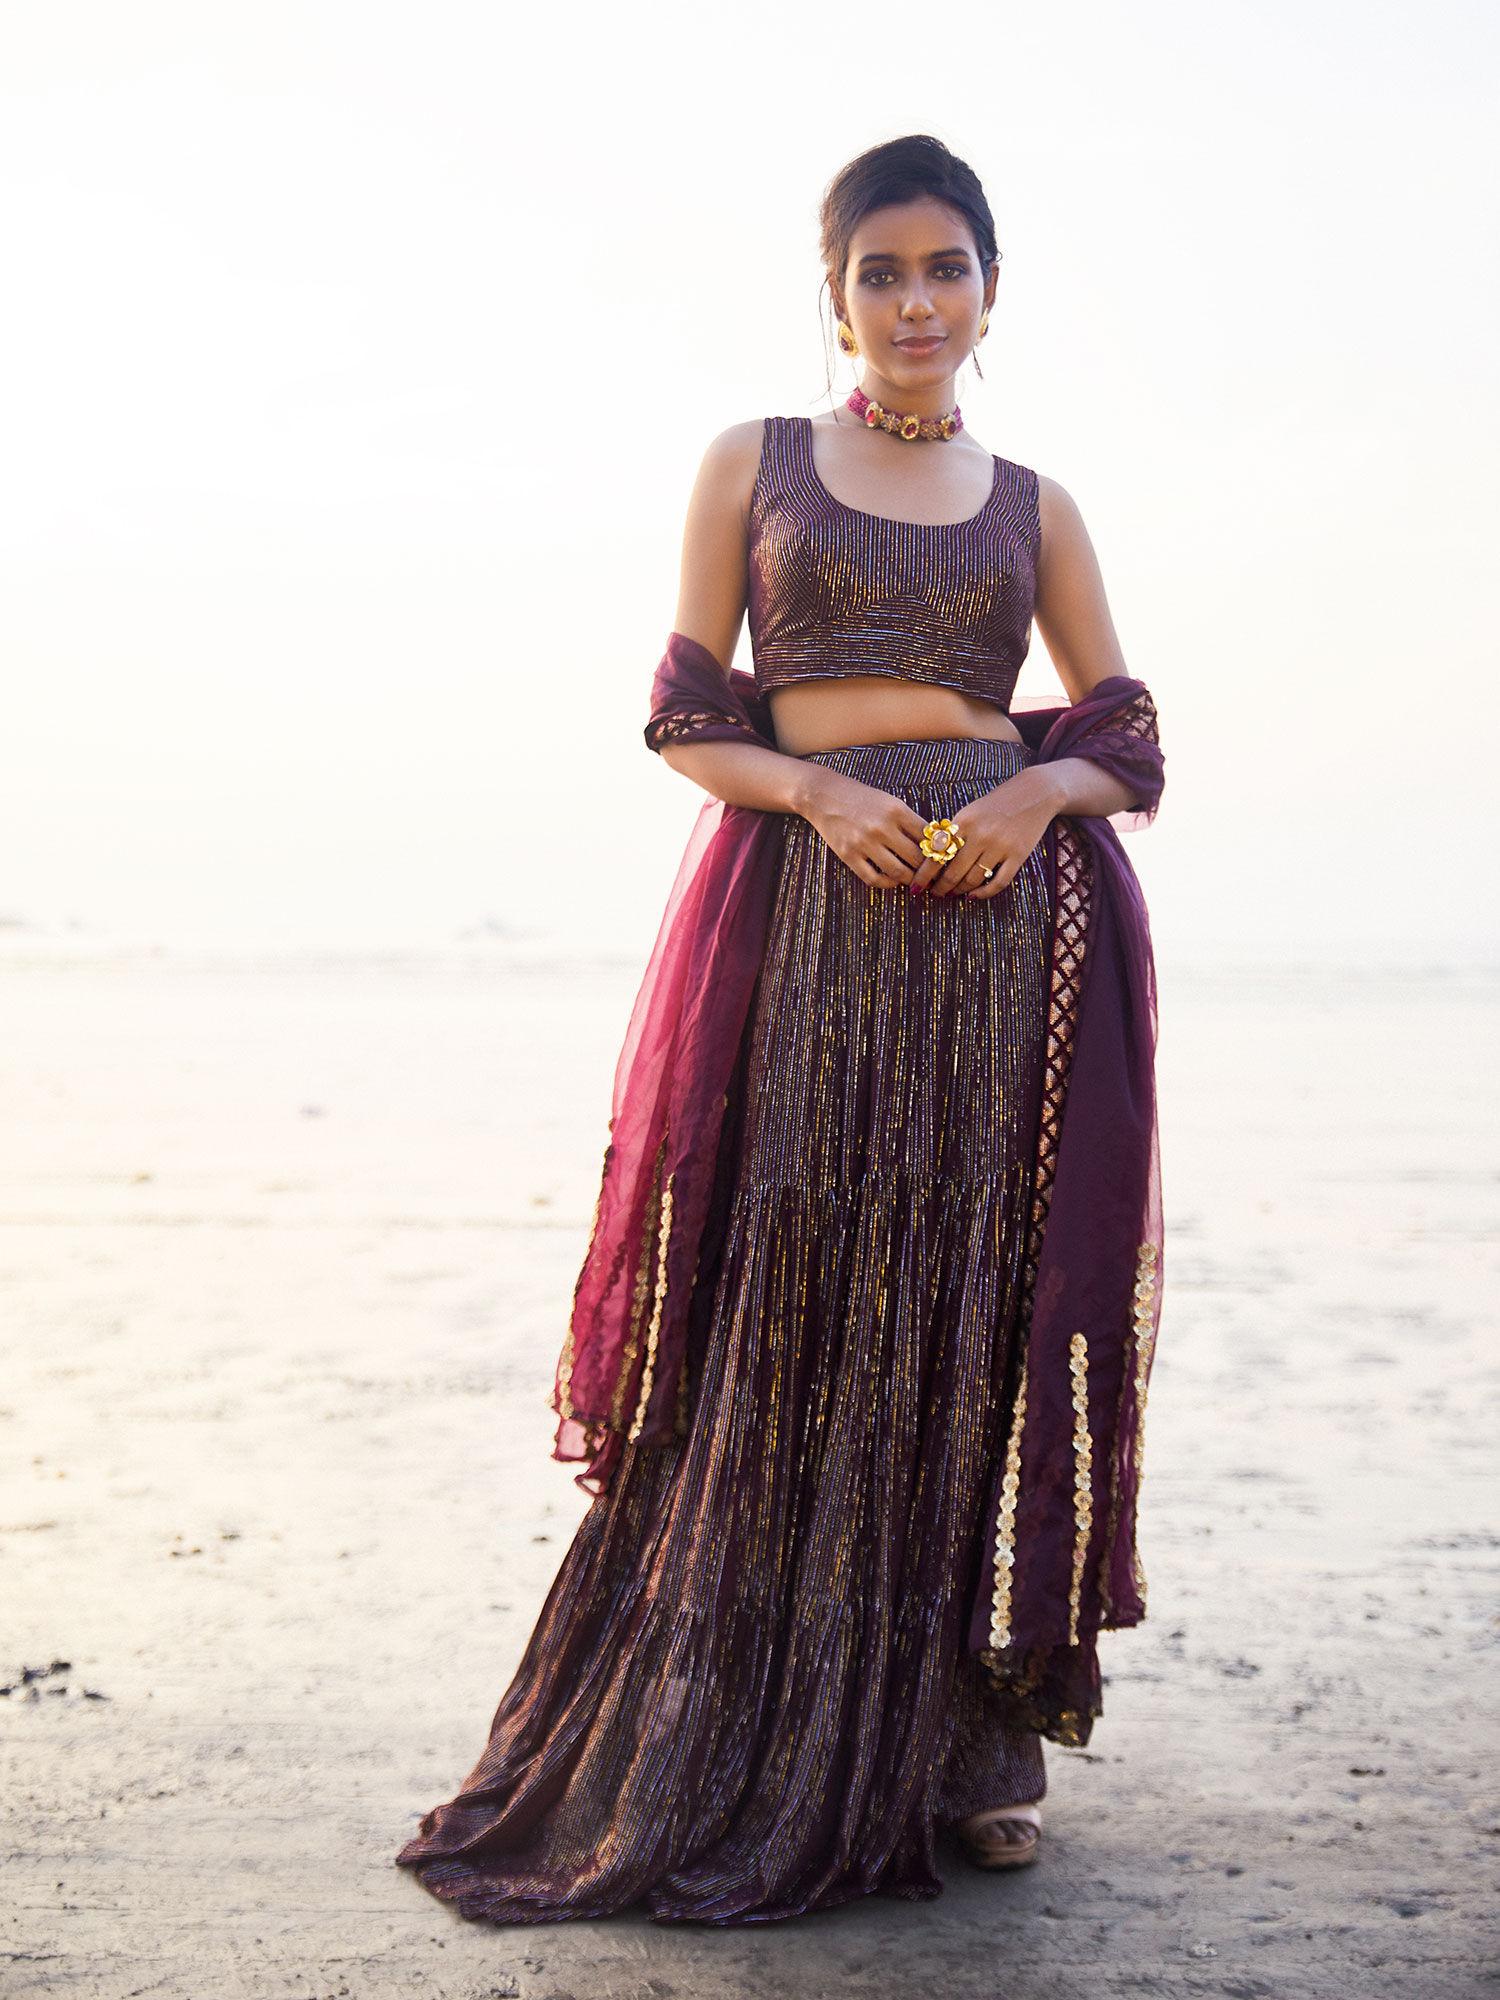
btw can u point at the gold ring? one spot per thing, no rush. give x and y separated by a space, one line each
940 840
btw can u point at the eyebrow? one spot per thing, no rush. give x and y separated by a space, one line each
889 257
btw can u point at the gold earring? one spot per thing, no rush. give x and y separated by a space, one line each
846 338
984 320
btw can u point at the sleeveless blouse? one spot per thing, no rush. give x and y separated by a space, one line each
834 591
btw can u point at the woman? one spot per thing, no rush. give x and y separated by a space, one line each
859 1351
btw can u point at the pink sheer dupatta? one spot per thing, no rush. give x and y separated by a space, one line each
621 1374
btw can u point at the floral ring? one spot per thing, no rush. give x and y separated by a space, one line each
940 840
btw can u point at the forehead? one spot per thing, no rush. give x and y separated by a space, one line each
915 228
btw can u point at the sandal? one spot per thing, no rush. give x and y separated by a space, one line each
1003 1837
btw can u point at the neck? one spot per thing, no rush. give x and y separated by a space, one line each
934 399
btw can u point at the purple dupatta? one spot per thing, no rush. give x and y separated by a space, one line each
1060 1558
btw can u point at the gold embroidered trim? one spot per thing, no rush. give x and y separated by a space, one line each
1074 892
565 1376
643 1286
1083 1475
1112 1520
663 1242
1137 718
1005 1557
1131 1378
1144 1340
564 1403
685 724
650 1283
1017 1680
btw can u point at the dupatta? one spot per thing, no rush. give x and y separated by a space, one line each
1060 1557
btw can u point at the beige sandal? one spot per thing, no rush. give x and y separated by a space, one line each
1003 1837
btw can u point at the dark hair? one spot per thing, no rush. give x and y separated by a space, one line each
901 170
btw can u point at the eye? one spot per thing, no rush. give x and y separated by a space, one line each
956 270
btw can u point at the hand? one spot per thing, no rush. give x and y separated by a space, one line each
999 830
872 832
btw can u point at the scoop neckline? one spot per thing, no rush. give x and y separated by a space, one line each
890 520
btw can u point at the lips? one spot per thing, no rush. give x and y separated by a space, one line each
923 340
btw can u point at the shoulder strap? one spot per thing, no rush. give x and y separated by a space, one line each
800 452
782 460
1018 510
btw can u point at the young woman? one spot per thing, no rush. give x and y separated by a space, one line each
859 1352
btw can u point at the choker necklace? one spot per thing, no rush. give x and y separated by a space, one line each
904 424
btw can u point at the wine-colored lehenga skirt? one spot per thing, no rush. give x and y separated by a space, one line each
748 1694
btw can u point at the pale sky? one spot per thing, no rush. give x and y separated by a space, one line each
359 360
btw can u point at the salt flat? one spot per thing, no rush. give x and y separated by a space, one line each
286 1248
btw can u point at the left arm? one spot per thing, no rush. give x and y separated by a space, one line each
1072 614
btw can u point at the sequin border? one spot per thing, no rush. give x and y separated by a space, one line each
1005 1556
563 1399
1073 902
652 1255
1133 1379
1083 1476
1143 1336
659 1300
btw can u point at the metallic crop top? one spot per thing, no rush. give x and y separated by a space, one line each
834 591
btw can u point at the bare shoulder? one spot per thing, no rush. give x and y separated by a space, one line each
1063 535
727 471
739 440
1056 504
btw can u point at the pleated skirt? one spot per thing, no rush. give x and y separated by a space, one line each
748 1694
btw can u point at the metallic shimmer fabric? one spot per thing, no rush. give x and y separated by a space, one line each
748 1694
836 591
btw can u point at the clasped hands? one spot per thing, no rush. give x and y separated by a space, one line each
878 835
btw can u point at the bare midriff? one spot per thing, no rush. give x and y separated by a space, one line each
876 708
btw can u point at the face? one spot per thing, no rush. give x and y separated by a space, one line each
913 270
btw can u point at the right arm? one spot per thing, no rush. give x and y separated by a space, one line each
874 833
710 608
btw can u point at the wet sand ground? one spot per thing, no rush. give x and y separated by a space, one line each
286 1248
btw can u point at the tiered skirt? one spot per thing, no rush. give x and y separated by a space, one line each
748 1694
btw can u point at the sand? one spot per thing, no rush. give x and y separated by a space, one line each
287 1249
